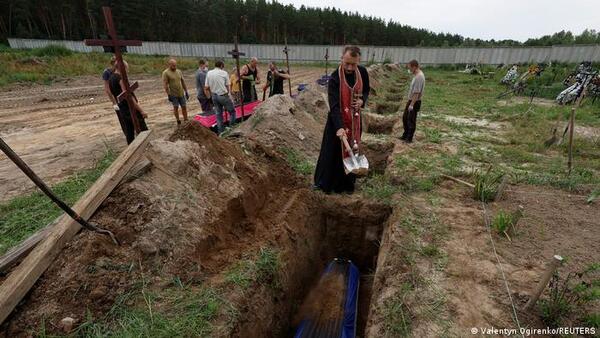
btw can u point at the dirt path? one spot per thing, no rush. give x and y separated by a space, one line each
63 128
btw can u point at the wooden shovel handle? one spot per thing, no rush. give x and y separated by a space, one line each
346 144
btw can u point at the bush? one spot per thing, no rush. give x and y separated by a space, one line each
52 51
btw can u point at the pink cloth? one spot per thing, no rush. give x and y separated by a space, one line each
211 120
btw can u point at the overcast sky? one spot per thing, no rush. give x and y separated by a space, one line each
485 19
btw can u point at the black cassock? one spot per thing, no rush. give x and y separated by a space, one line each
329 174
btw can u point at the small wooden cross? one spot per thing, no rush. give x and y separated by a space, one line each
116 44
235 53
326 60
287 63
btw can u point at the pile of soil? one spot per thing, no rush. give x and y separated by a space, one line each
194 212
285 123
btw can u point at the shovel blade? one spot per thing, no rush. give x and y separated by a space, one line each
358 165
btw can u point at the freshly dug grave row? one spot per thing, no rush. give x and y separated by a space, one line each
201 205
320 228
437 274
204 204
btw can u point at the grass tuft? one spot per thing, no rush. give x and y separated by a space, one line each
380 188
263 269
300 164
487 183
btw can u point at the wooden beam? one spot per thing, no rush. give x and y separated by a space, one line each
458 180
18 283
14 255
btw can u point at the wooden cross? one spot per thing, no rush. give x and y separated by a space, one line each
326 60
235 53
287 63
116 44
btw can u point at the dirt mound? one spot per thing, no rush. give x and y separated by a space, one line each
186 217
285 123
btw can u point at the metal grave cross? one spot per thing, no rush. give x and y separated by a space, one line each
286 51
235 53
326 60
116 44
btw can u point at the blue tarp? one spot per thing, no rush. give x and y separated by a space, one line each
346 326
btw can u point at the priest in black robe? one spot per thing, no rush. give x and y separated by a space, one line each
329 174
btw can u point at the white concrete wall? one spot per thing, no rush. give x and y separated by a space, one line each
425 55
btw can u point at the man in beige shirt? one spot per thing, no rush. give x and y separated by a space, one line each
415 93
176 90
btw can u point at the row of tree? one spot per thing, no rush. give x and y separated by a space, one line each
256 21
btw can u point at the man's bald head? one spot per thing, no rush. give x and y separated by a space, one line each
254 61
172 63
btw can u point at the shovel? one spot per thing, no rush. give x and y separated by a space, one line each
356 164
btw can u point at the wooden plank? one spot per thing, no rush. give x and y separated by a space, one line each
15 254
18 283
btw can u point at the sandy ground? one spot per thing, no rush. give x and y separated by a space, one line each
65 127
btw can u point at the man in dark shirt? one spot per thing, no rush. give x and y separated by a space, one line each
205 102
249 78
275 78
105 77
117 86
329 174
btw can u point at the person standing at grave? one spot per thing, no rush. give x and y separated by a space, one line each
205 102
105 77
217 86
234 88
275 79
117 86
348 91
250 77
413 105
176 90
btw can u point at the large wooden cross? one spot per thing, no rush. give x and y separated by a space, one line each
287 63
235 53
116 44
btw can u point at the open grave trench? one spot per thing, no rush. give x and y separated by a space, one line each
207 203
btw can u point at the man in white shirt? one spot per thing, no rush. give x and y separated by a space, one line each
415 93
217 87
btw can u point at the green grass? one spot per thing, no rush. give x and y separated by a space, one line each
22 216
396 314
175 312
51 63
504 222
263 268
518 148
432 135
380 188
298 162
487 183
421 170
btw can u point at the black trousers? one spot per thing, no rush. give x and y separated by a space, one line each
409 120
128 127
